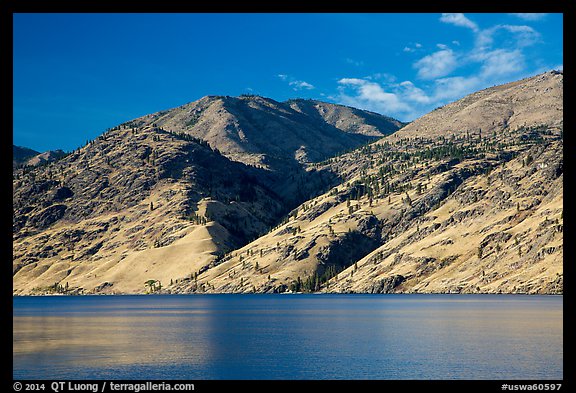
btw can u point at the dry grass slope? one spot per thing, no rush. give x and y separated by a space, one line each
438 206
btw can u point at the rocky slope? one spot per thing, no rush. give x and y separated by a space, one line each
450 213
531 101
430 208
279 137
98 214
454 222
147 202
46 157
266 133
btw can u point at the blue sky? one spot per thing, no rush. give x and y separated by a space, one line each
77 74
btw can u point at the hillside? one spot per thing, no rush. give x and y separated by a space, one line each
451 222
43 158
531 101
147 202
206 206
25 156
266 133
21 154
449 213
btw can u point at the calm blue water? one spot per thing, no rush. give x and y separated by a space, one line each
288 337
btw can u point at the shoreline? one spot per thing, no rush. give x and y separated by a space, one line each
286 294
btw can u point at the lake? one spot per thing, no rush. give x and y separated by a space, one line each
200 337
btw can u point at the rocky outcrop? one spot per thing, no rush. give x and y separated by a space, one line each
388 284
47 217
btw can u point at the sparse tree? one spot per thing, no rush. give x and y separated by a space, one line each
151 284
419 189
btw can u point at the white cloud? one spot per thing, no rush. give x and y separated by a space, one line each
407 101
436 65
402 100
301 85
352 81
501 62
448 89
530 16
356 63
498 56
459 19
412 93
410 49
296 84
370 95
522 36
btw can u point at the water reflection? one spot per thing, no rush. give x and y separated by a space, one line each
288 337
126 332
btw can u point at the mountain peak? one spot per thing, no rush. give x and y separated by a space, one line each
261 131
22 154
532 101
25 156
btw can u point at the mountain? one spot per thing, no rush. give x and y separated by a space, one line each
43 158
150 200
21 154
426 212
263 132
193 200
279 137
530 101
26 156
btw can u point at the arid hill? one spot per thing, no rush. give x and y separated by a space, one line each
531 101
21 154
193 200
445 212
274 135
148 200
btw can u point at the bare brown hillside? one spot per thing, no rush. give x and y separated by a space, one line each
260 131
148 200
426 212
194 200
532 101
